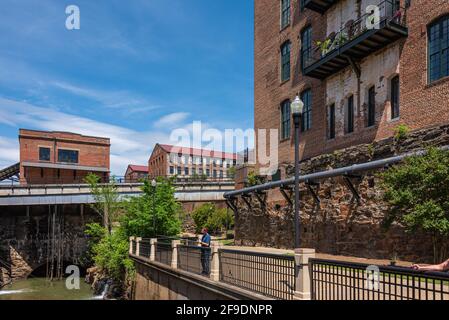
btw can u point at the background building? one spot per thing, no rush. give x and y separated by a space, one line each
358 84
168 160
134 173
61 157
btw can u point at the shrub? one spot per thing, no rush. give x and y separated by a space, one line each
213 218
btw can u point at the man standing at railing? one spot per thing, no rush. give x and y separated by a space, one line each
205 252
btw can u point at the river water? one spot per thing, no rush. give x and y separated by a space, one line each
42 289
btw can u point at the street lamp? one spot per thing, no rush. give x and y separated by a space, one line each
154 185
297 107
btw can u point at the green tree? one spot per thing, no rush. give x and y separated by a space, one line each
155 212
213 218
106 200
418 191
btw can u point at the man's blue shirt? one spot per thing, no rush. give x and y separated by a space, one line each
206 239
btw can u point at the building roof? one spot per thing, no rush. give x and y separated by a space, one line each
198 152
138 168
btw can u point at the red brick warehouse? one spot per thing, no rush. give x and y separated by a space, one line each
358 85
61 157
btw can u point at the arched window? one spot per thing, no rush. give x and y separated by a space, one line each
438 51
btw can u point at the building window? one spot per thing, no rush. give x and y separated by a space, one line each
285 120
208 172
306 47
186 171
172 170
285 61
371 106
221 174
395 97
67 156
285 13
350 115
438 34
331 125
178 171
306 97
193 171
215 173
44 154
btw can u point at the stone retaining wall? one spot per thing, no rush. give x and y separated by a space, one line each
339 224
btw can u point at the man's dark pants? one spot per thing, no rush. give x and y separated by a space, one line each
205 260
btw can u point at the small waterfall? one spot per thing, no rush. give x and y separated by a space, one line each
5 292
103 293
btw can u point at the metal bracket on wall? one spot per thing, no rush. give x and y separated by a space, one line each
261 197
355 67
287 197
245 199
231 204
350 185
315 196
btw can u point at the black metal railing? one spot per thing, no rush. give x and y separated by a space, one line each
163 253
337 280
145 248
271 275
389 11
194 259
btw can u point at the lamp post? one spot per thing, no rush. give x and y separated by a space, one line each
154 185
297 107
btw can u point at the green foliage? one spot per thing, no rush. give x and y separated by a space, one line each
106 197
111 255
418 191
156 212
231 172
213 218
252 179
401 132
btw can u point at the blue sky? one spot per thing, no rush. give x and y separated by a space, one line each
135 71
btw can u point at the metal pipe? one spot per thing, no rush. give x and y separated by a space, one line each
328 174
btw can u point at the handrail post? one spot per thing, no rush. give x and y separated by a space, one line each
302 273
153 243
131 242
215 265
138 240
174 256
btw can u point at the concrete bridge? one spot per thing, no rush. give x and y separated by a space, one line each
17 195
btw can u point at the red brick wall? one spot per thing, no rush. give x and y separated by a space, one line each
93 152
421 105
157 164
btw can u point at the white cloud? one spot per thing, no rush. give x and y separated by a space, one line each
172 120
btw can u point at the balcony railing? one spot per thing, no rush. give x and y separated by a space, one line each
355 41
320 6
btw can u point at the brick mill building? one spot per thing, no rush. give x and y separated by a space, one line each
135 173
358 83
61 157
169 161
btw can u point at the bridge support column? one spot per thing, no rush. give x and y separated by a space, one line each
174 256
215 265
138 240
153 249
131 240
302 273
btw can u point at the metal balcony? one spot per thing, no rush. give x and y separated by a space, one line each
320 6
354 42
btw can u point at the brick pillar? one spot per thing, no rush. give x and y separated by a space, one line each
153 249
131 240
174 256
302 285
138 240
215 264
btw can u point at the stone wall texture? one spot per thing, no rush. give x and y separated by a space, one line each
340 225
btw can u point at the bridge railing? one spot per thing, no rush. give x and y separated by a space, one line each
340 280
270 275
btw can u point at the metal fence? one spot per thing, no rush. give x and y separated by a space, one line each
271 275
338 280
163 253
194 259
145 248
